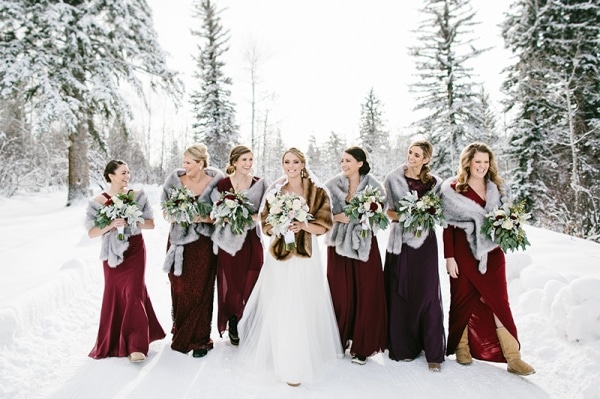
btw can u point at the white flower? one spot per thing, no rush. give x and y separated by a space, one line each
507 224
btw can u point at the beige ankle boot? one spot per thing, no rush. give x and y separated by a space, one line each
462 352
510 349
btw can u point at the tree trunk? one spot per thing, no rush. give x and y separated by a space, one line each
79 177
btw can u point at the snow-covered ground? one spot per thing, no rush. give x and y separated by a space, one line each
50 292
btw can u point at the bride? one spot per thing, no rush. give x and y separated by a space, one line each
289 327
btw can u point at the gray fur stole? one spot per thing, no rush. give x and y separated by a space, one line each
112 248
180 235
345 237
222 236
396 187
466 214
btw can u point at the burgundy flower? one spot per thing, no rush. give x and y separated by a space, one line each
431 210
373 207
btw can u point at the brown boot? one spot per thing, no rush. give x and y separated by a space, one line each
462 352
510 349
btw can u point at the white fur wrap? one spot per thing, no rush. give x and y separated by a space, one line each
466 214
222 236
179 235
396 187
112 248
345 237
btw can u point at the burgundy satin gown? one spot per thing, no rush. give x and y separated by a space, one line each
127 319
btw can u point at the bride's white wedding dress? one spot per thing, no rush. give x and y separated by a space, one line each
289 326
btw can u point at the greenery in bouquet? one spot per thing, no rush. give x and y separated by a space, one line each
120 206
420 215
504 226
182 206
283 210
232 208
366 206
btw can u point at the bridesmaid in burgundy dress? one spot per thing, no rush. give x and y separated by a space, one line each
412 282
190 261
354 268
481 324
127 320
240 256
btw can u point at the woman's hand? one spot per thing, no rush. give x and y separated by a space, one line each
341 218
117 223
296 227
452 267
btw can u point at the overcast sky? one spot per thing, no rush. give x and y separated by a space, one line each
321 57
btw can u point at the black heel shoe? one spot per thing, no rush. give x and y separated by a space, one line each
199 352
234 338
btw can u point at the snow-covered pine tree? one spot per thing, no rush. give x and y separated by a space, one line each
332 154
213 110
373 135
314 154
445 84
69 58
554 86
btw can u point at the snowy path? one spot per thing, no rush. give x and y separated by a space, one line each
48 325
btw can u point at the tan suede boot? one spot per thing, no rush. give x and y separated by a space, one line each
462 352
510 349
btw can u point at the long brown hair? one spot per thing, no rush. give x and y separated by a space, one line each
464 168
427 148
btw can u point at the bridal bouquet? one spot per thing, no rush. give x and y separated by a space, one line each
420 215
232 208
120 206
504 226
283 210
366 206
182 206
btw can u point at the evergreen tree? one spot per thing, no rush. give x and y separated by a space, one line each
554 87
373 136
330 162
213 109
314 153
446 88
69 57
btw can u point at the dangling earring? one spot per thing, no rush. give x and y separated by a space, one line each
302 174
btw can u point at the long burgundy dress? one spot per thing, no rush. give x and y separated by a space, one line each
412 287
476 297
127 320
192 296
237 275
358 300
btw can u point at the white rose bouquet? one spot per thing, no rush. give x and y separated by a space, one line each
283 210
120 206
232 208
504 226
420 215
182 206
366 206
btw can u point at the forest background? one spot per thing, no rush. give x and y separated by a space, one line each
85 81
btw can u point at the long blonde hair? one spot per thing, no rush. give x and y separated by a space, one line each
464 169
300 156
427 148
